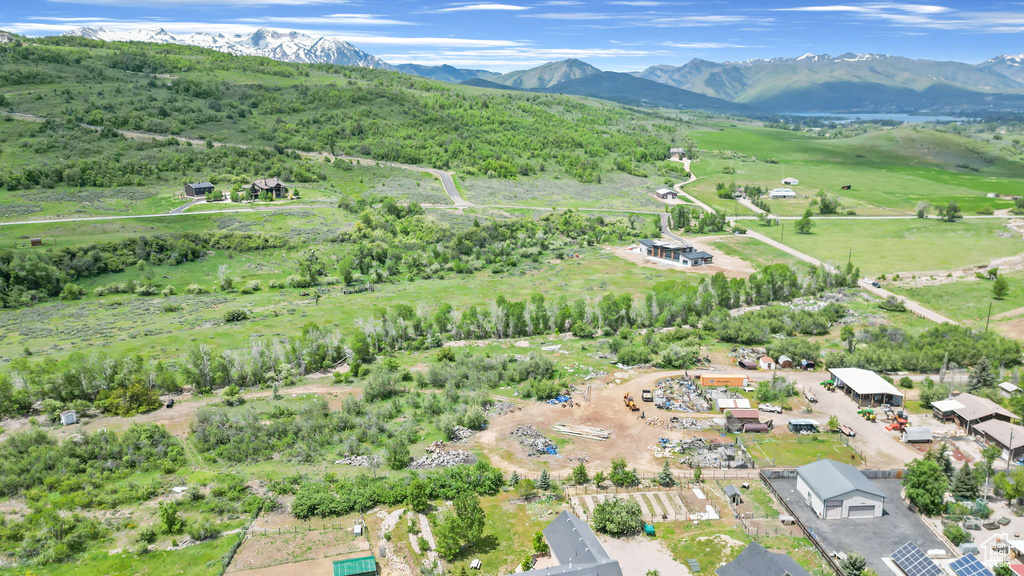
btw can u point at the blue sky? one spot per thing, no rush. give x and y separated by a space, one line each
611 34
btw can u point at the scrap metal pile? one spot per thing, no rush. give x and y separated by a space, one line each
500 408
677 423
535 443
680 395
699 452
438 456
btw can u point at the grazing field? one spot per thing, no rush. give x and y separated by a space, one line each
967 300
888 170
908 245
789 451
200 560
615 191
756 252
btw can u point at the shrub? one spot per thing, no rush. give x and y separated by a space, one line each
196 289
956 534
296 281
236 315
168 291
202 530
251 287
618 516
71 291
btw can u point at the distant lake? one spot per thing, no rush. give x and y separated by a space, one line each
843 118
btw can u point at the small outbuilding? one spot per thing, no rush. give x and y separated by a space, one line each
806 364
837 490
1007 389
730 404
756 560
667 194
362 566
785 362
781 194
766 363
1009 437
756 428
195 189
734 496
747 364
790 181
35 242
68 417
798 425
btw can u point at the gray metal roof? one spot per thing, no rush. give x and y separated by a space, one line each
694 255
576 546
201 185
829 479
755 560
730 490
917 433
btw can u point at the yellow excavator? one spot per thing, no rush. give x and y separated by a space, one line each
629 402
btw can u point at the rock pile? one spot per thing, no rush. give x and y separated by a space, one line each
718 456
535 443
460 434
501 408
364 461
438 456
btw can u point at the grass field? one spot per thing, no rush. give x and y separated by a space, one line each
616 191
888 169
968 300
756 252
790 452
199 560
889 246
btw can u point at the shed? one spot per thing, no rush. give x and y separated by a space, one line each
194 189
747 364
716 380
837 490
785 362
667 194
756 560
745 414
68 417
357 529
733 495
791 181
35 241
756 428
916 434
1007 389
766 363
365 565
808 364
1009 437
476 564
724 404
865 387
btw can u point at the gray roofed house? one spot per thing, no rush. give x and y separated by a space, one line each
755 560
577 550
682 254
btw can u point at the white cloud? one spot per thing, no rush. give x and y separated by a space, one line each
485 6
637 3
176 3
927 16
704 45
331 20
575 16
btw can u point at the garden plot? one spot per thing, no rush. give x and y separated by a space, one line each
273 548
660 506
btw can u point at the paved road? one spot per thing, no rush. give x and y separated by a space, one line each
172 213
447 182
184 207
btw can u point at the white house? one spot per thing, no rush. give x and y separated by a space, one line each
68 417
766 363
790 181
836 490
781 193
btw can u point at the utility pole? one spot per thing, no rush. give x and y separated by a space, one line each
849 257
782 231
989 317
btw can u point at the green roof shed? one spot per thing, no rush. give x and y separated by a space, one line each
365 566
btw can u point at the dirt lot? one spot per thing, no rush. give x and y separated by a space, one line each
731 266
638 555
629 439
273 549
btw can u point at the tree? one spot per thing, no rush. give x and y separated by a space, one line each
1003 570
470 515
526 489
965 485
173 524
665 477
618 516
579 475
527 563
698 474
311 267
513 480
599 478
940 455
925 486
956 534
988 456
853 564
950 213
446 536
1000 288
621 477
922 209
540 546
544 482
849 335
981 376
1011 484
833 422
416 496
804 225
396 454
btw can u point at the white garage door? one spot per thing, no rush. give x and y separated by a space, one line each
861 512
834 509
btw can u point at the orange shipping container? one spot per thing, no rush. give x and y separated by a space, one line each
717 380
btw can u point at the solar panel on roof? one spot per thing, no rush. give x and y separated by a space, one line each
914 562
969 565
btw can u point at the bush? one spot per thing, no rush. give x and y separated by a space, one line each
618 516
72 291
236 315
956 534
251 287
168 291
196 289
202 530
892 304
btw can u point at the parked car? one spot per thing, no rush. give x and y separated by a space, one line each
770 408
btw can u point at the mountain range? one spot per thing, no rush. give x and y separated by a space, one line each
810 83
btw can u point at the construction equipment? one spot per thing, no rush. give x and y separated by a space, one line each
897 425
868 414
829 385
630 403
647 396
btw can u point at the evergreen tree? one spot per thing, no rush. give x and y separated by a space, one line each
513 480
1000 288
665 476
965 485
544 483
981 376
579 475
853 564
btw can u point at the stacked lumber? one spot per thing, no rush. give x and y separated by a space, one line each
581 431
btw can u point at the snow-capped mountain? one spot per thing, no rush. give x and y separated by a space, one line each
284 46
1011 66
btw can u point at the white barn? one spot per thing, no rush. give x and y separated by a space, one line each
836 490
865 387
791 181
780 193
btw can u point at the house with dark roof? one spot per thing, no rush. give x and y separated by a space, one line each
194 189
682 255
836 490
667 194
577 550
969 410
272 185
1009 437
755 560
